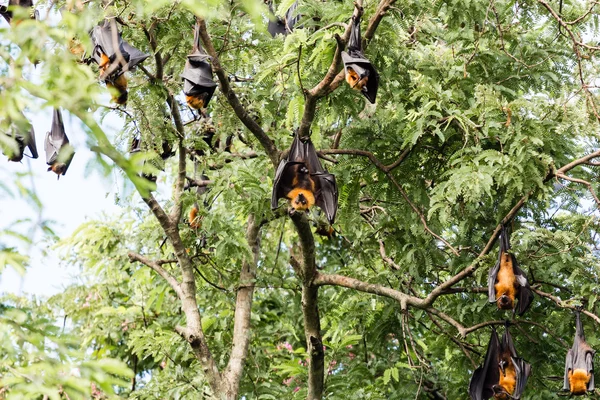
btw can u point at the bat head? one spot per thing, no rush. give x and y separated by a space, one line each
196 101
58 168
500 393
505 302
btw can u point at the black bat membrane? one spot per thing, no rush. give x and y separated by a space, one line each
302 179
198 83
114 57
24 136
7 13
507 282
579 366
59 153
277 26
503 374
360 73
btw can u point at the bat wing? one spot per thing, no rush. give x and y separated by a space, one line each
57 145
492 275
108 43
198 76
488 375
276 27
291 17
326 197
30 142
282 184
523 370
589 358
5 13
525 295
363 67
568 367
136 56
355 42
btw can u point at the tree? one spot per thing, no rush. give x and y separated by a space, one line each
486 116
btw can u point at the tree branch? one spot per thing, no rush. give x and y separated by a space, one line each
156 266
243 310
232 98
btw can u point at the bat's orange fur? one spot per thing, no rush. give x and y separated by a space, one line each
195 102
195 222
58 168
508 379
76 48
294 194
506 282
578 381
120 84
354 80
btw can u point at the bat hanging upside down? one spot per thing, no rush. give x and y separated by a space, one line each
302 180
354 79
579 366
503 374
114 83
507 282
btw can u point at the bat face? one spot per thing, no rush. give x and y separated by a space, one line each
355 81
503 375
302 180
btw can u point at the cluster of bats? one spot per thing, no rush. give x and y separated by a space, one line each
504 374
301 179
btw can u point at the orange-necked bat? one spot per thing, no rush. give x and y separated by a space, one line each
507 282
7 13
114 57
503 374
59 153
24 136
278 26
360 73
579 366
197 76
302 180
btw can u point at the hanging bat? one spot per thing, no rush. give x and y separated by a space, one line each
579 366
302 180
277 26
59 153
114 57
24 138
360 73
7 14
198 84
503 374
507 282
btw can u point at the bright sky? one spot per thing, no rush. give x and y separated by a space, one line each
69 201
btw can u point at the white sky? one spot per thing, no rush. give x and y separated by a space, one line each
74 198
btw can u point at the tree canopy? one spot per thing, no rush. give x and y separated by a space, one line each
486 116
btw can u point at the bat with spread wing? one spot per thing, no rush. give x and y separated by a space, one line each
24 136
507 282
114 57
302 180
277 26
579 366
198 83
7 14
503 374
360 73
59 153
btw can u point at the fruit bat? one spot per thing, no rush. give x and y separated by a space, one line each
59 153
360 74
198 84
24 138
7 14
114 57
507 282
277 26
579 366
503 374
302 179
